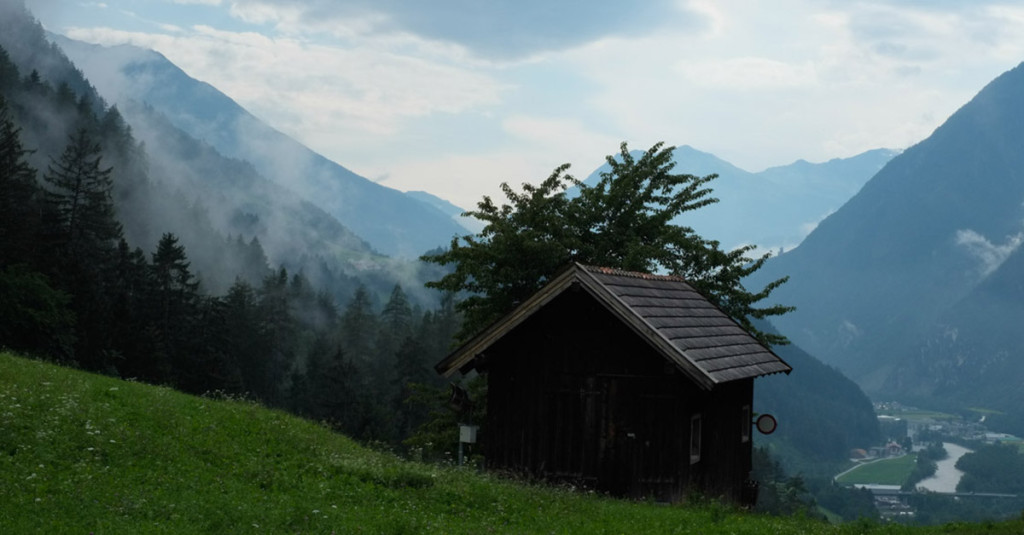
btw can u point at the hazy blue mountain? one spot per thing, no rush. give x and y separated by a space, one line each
449 209
392 222
775 208
237 201
911 286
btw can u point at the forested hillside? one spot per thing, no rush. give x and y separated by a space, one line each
79 197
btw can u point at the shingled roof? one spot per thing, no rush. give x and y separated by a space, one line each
688 330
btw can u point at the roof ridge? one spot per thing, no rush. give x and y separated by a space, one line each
603 270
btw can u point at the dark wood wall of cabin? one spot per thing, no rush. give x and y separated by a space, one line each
574 395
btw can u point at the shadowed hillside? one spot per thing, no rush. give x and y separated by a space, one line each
909 286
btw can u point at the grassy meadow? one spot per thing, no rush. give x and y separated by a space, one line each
894 471
82 453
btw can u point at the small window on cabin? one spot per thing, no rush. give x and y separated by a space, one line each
745 424
695 438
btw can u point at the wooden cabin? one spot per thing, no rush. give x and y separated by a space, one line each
627 383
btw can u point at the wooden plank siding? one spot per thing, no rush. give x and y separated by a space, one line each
595 379
602 409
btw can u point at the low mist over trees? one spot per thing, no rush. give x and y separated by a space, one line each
75 289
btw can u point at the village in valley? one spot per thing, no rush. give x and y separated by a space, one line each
892 471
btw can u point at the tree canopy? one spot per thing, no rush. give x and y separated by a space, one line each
624 221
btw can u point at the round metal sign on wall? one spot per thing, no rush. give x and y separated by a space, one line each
766 424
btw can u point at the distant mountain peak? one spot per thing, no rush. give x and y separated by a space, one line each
775 208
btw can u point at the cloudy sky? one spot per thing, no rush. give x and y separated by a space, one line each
456 96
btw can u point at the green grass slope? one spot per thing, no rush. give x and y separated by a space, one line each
81 453
893 471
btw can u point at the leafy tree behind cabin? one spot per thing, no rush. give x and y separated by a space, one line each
623 221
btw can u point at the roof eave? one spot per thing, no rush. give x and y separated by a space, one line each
462 358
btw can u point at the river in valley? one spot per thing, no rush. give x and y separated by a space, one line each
946 476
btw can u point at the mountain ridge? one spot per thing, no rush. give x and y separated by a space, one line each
390 221
775 208
874 281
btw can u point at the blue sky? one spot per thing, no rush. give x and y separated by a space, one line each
456 96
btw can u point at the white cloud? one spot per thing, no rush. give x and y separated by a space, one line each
498 30
988 255
771 83
390 89
313 91
465 178
748 73
568 136
535 146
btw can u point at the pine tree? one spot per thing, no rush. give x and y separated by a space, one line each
394 327
255 265
410 370
129 291
19 195
174 301
10 78
84 230
34 317
174 285
80 234
34 83
334 393
209 364
359 328
242 337
279 332
396 316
